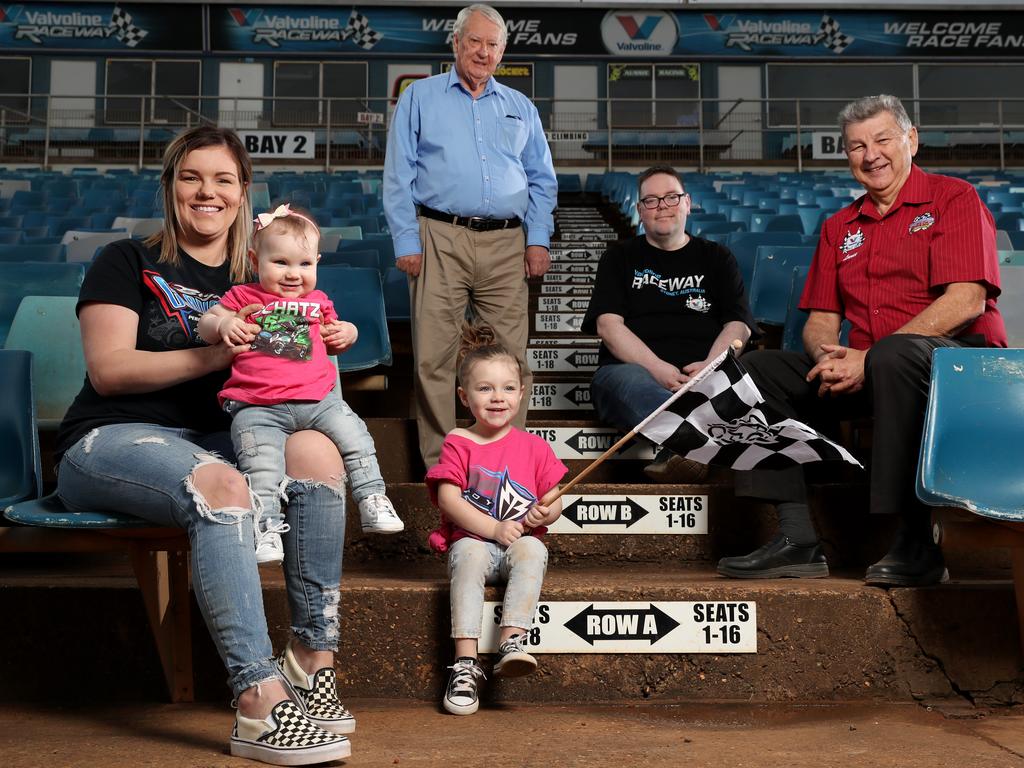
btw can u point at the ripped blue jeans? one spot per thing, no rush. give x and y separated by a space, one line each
259 433
146 471
472 564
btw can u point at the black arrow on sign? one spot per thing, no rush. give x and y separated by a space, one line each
582 359
577 305
603 440
649 623
611 514
578 395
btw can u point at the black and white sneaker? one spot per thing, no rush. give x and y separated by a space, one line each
286 737
461 697
318 694
514 661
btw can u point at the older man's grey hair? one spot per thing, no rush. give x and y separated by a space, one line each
487 12
864 109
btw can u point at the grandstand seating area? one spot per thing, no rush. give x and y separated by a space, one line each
52 224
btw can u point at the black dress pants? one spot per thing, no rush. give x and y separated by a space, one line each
897 375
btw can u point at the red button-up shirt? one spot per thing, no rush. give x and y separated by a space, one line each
879 272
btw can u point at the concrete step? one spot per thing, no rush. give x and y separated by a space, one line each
532 735
721 525
817 641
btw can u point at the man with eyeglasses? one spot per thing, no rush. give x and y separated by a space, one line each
912 265
664 304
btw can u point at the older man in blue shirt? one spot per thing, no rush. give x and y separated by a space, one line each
467 166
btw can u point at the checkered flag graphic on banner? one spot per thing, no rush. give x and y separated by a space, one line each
360 31
832 38
127 32
723 420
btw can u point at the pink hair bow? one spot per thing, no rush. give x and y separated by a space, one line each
282 211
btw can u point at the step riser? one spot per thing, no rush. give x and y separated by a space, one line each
813 646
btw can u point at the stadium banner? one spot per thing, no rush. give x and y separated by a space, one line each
796 33
127 27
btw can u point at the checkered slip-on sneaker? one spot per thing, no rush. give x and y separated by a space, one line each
286 737
318 694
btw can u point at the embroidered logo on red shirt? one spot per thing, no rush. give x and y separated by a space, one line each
852 241
922 222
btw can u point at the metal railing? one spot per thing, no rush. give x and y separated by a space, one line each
702 134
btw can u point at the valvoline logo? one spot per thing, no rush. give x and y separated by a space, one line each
718 23
10 13
649 33
637 29
244 18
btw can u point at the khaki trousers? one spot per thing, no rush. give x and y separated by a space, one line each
484 271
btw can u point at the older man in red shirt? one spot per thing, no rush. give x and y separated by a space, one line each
912 266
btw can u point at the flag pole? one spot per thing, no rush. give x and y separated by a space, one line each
555 493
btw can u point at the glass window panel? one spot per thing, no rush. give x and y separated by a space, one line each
178 79
676 81
127 76
296 79
843 82
952 83
345 82
631 81
15 78
518 76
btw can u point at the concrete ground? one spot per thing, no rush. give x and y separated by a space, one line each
883 735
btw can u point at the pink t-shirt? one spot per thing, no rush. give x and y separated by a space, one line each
502 479
288 360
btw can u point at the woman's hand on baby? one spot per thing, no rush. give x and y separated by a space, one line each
236 330
338 336
507 531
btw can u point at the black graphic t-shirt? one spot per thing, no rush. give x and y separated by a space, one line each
169 301
676 302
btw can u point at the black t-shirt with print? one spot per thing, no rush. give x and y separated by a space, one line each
169 301
676 302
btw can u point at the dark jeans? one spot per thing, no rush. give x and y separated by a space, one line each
897 375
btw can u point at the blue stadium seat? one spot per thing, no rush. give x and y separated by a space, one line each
364 257
707 229
569 183
1011 302
396 294
18 280
48 327
10 236
20 252
796 318
744 247
775 222
772 280
20 469
971 451
358 298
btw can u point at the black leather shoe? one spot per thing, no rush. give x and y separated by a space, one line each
777 559
909 566
669 467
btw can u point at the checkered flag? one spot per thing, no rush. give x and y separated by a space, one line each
360 31
831 37
721 419
126 32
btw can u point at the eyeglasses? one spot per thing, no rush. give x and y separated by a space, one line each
671 200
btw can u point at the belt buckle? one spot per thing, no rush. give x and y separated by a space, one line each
477 224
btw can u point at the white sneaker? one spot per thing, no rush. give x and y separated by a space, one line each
462 697
378 515
286 737
269 547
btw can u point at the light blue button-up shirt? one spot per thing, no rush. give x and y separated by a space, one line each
470 157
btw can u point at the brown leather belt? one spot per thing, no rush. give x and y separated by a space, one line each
475 223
